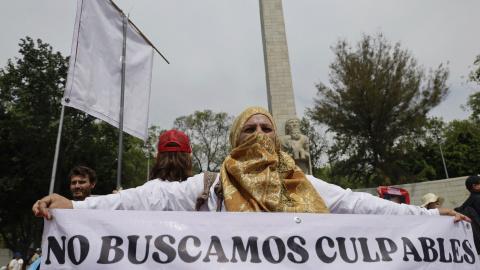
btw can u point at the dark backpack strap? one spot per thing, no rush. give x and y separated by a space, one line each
219 192
208 179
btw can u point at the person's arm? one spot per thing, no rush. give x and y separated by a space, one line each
154 195
341 201
40 208
10 265
451 212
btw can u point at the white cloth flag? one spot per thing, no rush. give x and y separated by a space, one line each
94 76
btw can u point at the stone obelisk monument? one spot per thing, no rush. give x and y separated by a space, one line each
281 101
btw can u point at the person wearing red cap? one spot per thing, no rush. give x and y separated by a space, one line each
174 157
256 176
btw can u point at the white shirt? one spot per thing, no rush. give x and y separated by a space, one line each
160 195
14 264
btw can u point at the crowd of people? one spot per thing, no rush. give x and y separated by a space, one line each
257 176
17 262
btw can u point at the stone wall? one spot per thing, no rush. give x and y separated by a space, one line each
453 190
6 255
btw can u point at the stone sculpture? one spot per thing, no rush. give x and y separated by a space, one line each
296 144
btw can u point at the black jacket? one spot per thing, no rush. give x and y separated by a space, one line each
473 201
471 209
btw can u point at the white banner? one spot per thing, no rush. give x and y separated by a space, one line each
94 75
98 239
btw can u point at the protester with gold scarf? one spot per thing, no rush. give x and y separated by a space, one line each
256 176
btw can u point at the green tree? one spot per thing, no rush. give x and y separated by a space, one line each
473 101
459 140
29 97
420 153
378 95
462 147
208 133
151 145
318 143
94 143
31 88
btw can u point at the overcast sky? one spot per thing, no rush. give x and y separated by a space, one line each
216 54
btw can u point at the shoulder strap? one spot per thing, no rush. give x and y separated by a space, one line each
208 178
219 192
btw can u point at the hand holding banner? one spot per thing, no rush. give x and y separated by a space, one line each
93 239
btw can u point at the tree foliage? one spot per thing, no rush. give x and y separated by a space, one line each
31 88
473 101
462 147
208 133
318 143
29 98
151 146
459 141
421 154
378 95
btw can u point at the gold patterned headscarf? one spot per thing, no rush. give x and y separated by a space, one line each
257 176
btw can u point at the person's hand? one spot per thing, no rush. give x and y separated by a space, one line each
40 208
450 212
115 191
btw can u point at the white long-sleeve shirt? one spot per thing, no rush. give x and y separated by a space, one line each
160 195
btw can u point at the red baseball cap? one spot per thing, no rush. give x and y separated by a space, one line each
174 136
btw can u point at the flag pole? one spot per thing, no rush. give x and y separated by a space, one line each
122 98
140 32
57 147
438 140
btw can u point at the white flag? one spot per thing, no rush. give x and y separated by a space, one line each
94 76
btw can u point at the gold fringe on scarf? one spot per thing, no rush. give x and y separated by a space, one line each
257 176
